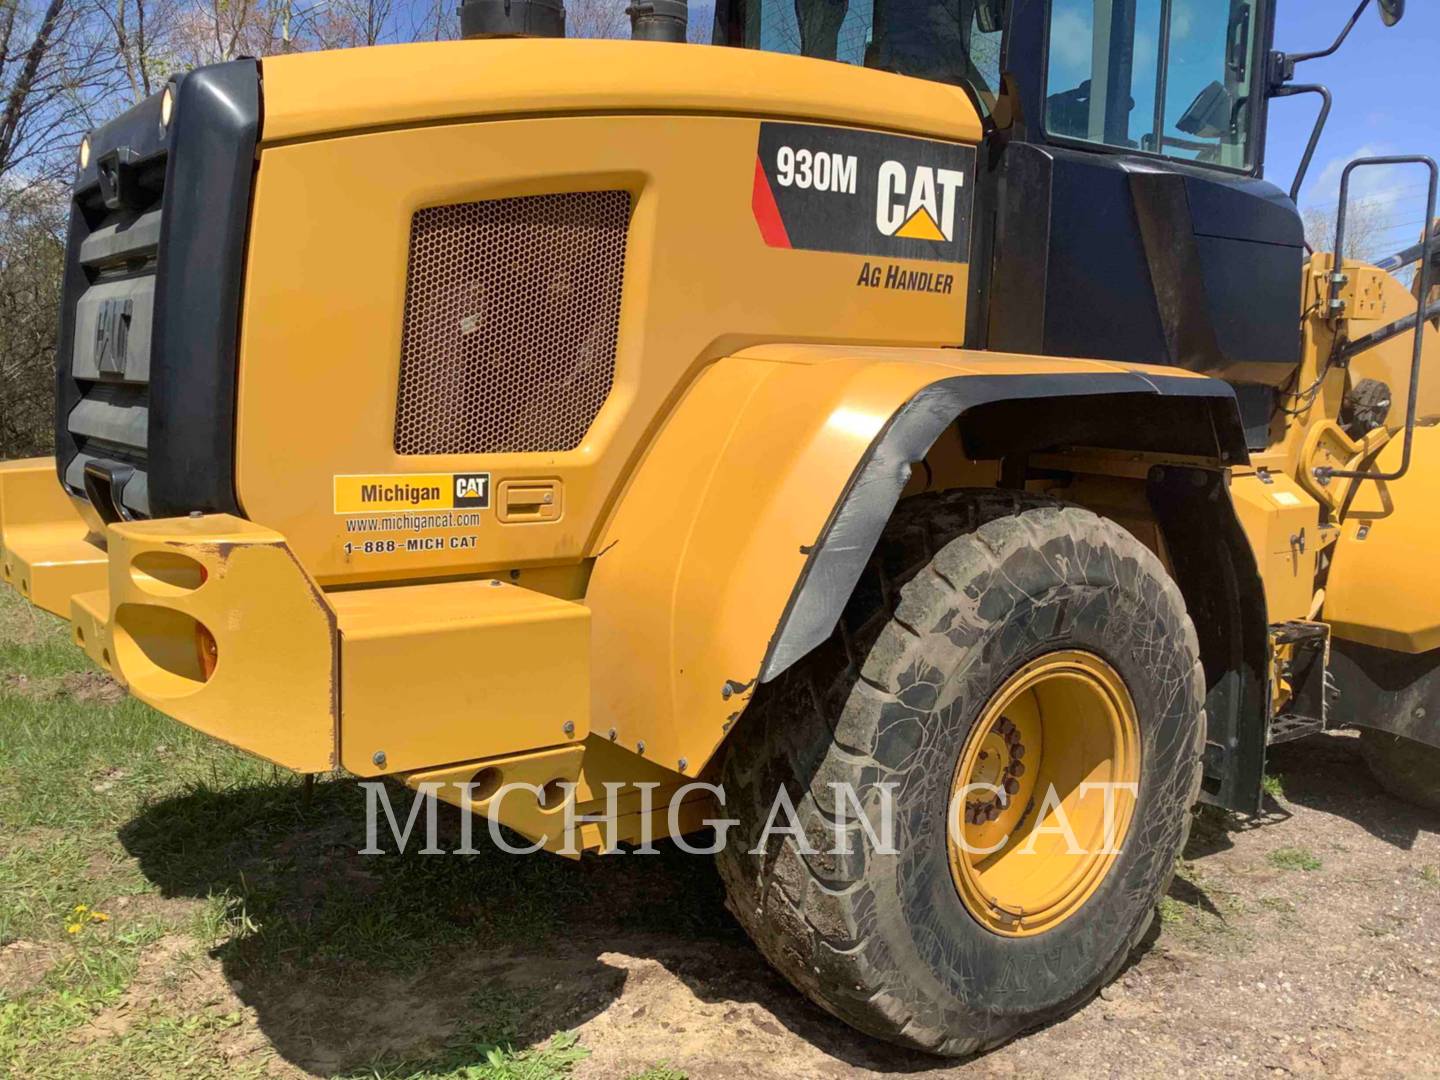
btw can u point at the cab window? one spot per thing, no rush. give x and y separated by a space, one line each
954 41
1171 77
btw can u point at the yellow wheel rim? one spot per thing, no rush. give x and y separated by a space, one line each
1043 793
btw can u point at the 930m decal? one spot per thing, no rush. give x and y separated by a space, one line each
863 193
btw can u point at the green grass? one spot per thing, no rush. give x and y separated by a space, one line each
1430 875
150 873
473 1057
1172 911
1201 913
1274 786
1294 858
659 1072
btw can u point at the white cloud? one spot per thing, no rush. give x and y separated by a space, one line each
1323 187
1145 53
1182 21
1071 36
1386 203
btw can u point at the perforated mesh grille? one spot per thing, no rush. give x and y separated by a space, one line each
511 313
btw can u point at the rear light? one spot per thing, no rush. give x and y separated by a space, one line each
205 648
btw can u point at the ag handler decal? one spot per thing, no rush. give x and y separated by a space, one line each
861 192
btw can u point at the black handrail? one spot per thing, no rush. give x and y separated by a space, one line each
1324 473
1306 88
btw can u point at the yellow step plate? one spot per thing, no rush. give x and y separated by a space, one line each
47 553
451 672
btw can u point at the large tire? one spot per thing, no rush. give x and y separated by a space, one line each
965 588
1407 769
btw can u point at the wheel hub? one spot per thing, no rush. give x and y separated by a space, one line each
1043 793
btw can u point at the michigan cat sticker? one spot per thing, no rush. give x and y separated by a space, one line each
863 193
424 491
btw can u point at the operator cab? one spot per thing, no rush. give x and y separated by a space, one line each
1121 211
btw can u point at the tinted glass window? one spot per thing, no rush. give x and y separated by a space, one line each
944 40
1209 81
1169 77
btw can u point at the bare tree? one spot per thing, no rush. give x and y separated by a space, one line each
596 19
700 28
1364 229
50 73
345 24
148 41
436 21
32 252
57 80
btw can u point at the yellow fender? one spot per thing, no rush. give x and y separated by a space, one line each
745 527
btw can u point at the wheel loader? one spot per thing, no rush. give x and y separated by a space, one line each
920 409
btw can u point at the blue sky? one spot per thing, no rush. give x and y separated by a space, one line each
1384 80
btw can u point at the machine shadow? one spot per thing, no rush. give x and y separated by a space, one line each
410 962
406 963
1327 773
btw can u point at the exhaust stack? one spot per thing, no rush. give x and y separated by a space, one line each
658 20
512 18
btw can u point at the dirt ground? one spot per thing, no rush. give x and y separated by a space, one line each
1306 942
173 908
1258 966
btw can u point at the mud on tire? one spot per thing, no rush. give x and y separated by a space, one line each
964 588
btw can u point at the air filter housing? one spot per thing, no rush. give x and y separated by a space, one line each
512 18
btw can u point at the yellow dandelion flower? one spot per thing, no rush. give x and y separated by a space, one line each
72 928
99 916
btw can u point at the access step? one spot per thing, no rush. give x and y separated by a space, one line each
1301 654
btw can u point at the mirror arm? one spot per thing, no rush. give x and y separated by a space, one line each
1297 58
1282 65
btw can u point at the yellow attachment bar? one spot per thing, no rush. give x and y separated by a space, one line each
46 550
577 798
457 671
212 621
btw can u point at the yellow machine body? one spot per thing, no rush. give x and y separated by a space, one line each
1381 590
610 611
326 260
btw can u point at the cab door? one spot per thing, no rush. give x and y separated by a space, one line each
1130 217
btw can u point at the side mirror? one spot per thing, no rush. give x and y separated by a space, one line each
1392 11
990 15
1208 116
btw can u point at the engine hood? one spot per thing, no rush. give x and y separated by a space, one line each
314 95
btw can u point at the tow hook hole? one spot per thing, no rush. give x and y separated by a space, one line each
486 783
164 651
167 573
552 795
